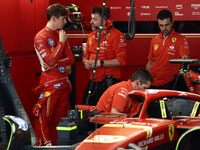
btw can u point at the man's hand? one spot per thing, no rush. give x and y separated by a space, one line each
186 56
47 67
114 110
62 36
87 64
107 63
148 65
36 109
93 63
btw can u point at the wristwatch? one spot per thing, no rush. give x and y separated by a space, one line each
101 62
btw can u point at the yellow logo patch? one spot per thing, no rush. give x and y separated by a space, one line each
171 132
90 42
76 8
47 93
174 39
52 49
155 47
107 35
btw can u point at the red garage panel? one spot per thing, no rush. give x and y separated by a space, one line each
26 21
10 24
145 10
40 14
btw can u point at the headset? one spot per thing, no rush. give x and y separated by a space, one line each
109 22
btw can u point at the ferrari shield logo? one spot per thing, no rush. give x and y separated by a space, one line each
155 47
76 8
171 132
107 35
174 39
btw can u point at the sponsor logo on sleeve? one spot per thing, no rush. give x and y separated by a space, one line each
51 42
43 50
52 49
57 85
47 94
39 46
61 69
43 55
41 96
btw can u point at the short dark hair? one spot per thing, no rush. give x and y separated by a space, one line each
164 14
143 75
56 10
98 10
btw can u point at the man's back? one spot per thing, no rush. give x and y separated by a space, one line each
114 96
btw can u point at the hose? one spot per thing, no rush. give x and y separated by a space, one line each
131 23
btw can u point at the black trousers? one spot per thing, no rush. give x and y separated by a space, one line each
168 86
98 88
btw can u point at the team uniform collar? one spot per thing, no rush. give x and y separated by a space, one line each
102 34
130 85
50 30
170 35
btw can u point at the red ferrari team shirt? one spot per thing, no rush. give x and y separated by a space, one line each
116 97
51 51
112 45
174 46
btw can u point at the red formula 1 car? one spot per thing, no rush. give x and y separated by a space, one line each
166 120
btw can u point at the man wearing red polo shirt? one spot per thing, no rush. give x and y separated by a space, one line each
115 99
165 46
112 55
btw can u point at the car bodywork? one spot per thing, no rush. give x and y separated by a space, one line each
163 117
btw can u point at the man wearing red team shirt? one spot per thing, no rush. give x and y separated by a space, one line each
54 54
165 46
112 55
115 99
